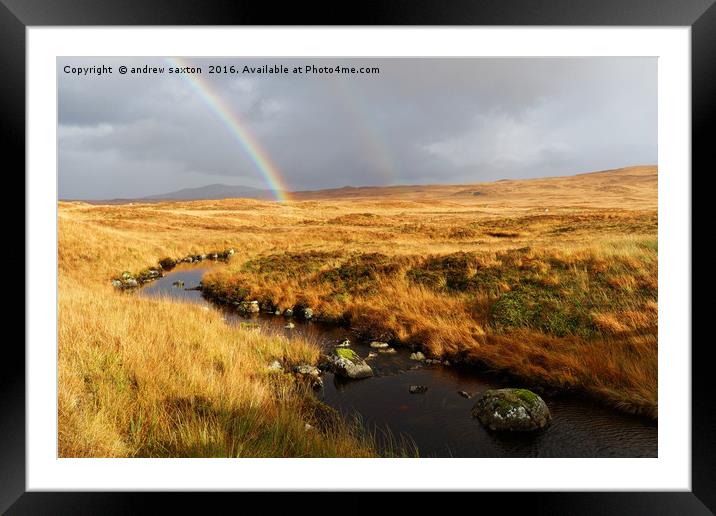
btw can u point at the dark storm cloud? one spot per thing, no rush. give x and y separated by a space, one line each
418 121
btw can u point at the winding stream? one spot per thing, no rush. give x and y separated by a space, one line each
438 422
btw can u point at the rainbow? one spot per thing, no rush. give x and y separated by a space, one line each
238 129
369 130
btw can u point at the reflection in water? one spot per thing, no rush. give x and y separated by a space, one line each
439 421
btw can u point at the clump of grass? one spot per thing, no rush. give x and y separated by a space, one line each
359 273
289 265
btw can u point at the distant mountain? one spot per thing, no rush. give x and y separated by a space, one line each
215 191
637 183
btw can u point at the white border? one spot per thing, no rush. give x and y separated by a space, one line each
670 471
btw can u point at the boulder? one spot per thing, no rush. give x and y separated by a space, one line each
167 263
345 343
131 283
387 351
317 382
307 369
417 356
511 410
346 363
418 389
288 312
307 313
249 307
117 283
378 345
465 394
149 274
275 365
290 326
266 306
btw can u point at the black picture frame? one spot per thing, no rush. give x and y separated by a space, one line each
700 15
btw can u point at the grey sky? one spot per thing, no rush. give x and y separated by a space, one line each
417 121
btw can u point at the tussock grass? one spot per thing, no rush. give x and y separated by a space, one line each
583 319
566 297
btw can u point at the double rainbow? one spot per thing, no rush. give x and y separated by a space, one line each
238 130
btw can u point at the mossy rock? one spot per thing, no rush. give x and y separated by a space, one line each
512 410
347 364
167 263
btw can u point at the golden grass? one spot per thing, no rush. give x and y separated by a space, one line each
140 377
143 377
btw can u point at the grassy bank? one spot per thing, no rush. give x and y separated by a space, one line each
581 319
148 378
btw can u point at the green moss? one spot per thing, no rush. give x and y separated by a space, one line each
348 354
504 400
502 406
527 396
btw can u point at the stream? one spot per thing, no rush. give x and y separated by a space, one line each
439 422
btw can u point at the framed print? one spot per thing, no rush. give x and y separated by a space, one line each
440 249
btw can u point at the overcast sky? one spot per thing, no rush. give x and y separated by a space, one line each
417 121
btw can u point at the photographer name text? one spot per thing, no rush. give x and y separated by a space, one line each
273 69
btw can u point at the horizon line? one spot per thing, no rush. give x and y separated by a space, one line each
153 197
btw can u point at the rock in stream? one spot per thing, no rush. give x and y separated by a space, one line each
346 363
512 410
